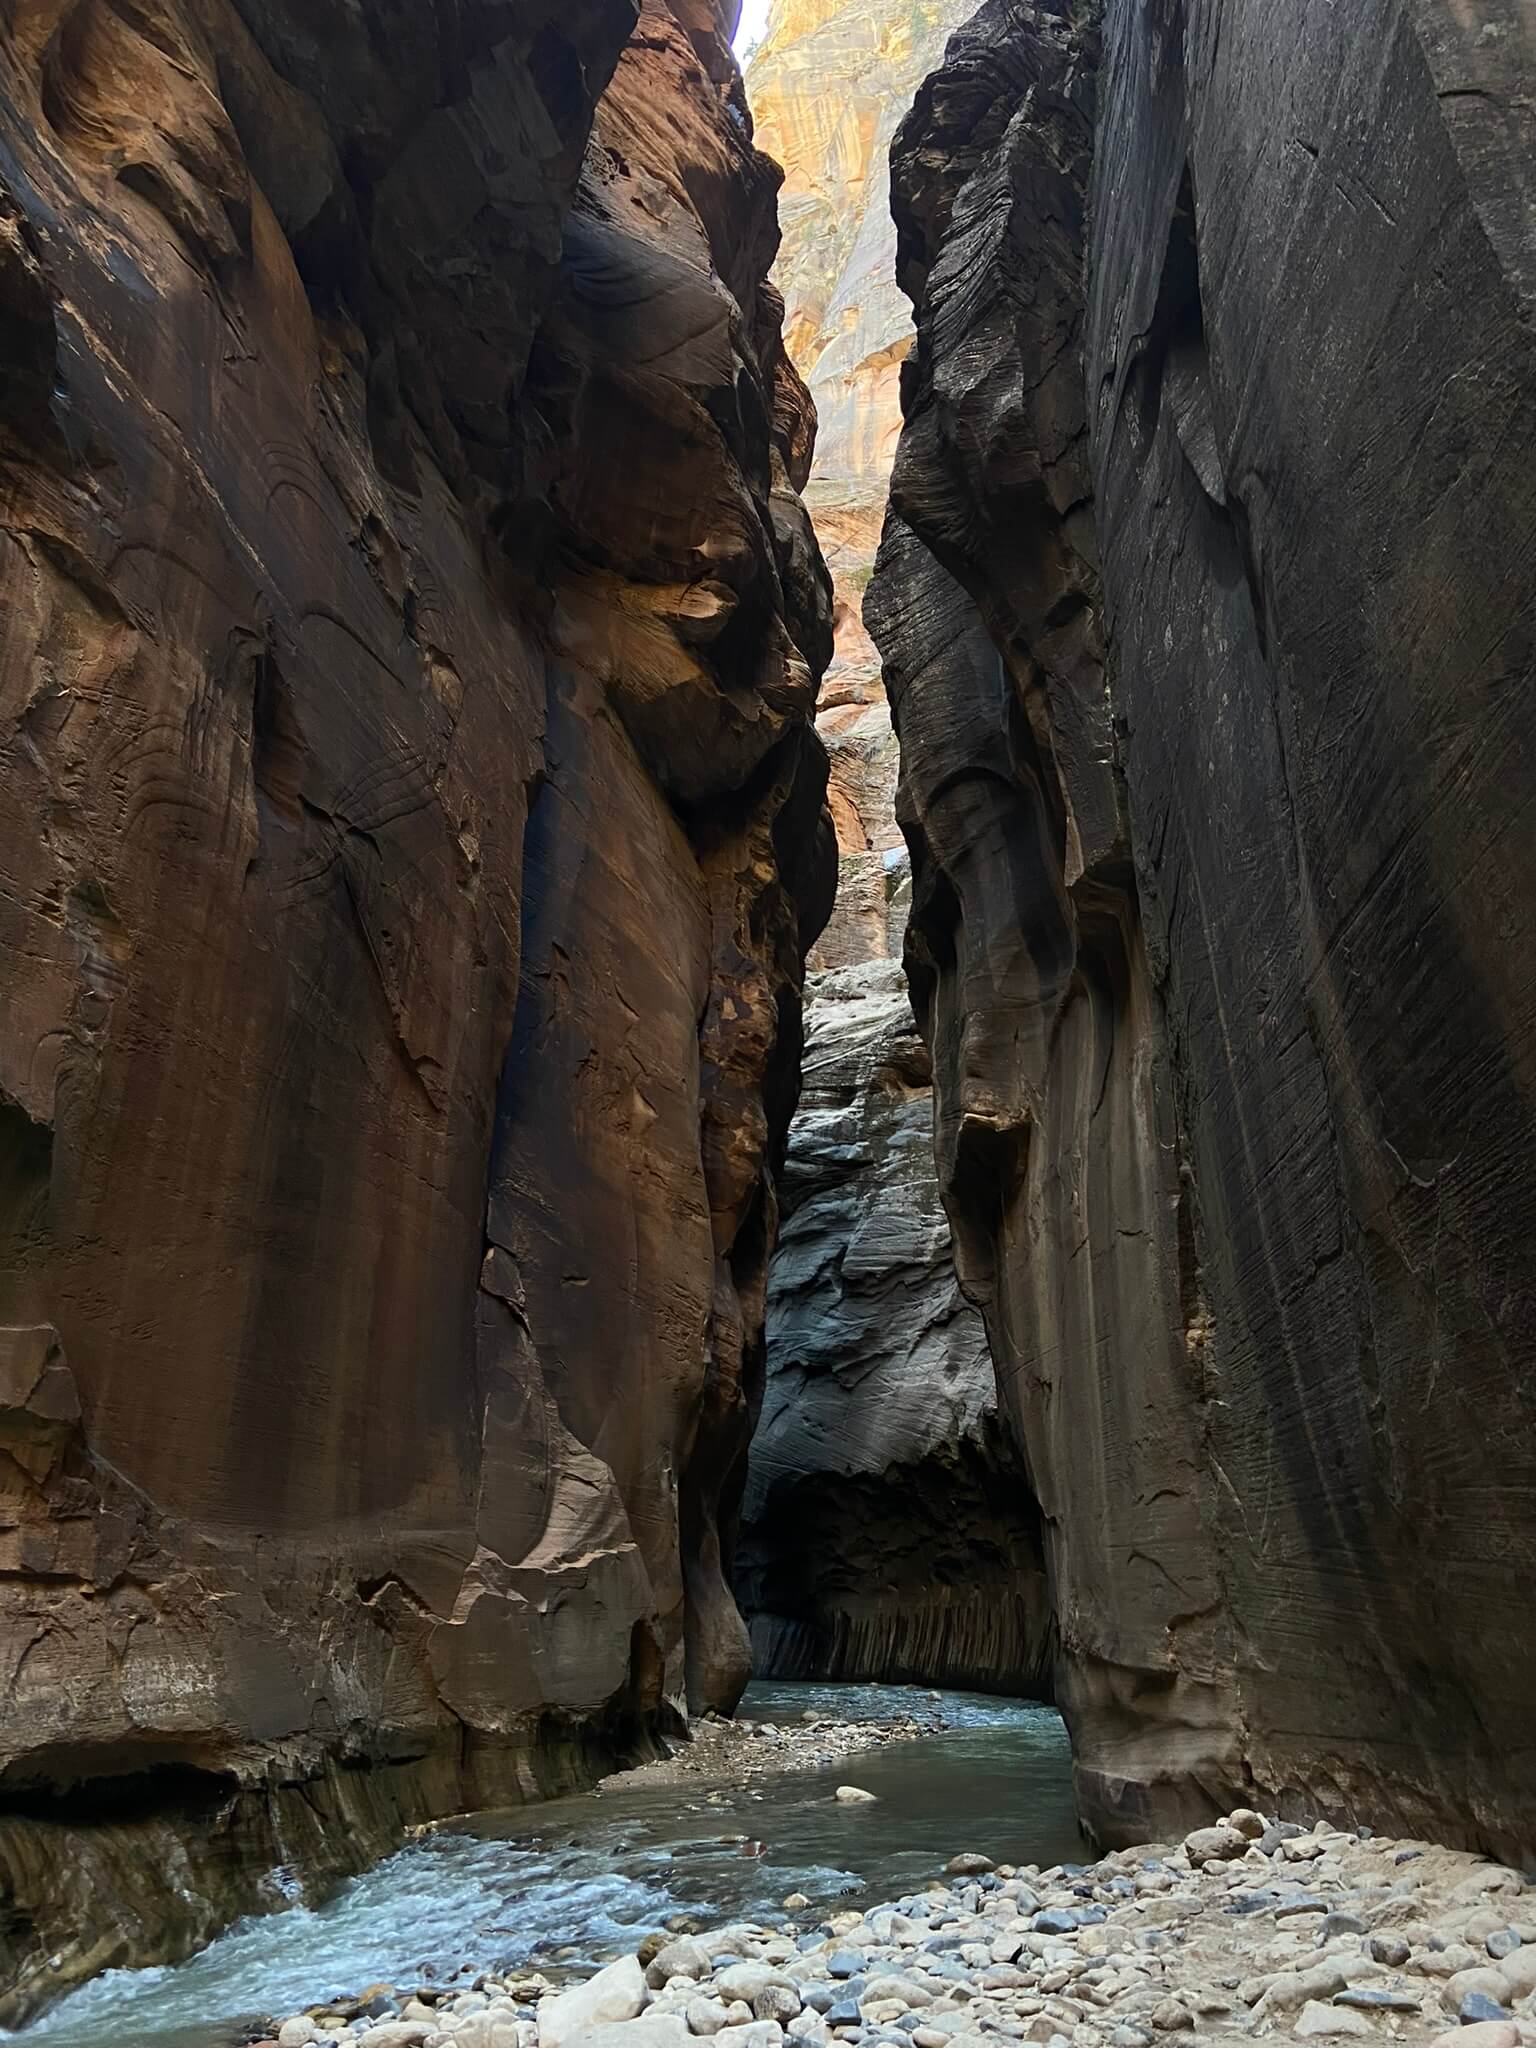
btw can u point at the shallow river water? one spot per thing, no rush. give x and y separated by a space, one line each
587 1874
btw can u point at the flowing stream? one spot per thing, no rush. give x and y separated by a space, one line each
571 1881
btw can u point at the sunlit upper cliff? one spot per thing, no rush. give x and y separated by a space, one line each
829 84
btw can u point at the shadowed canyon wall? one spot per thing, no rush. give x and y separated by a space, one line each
414 828
888 1528
1205 608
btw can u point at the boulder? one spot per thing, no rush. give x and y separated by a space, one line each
614 1994
749 1980
650 2030
1218 1844
1326 2022
684 1958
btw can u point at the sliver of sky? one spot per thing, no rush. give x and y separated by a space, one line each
753 24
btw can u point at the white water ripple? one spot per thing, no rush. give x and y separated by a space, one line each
592 1873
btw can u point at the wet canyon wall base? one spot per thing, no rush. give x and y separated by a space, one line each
413 832
1221 937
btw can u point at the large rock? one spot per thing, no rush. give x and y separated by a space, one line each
605 1999
1222 953
1312 346
888 1529
412 831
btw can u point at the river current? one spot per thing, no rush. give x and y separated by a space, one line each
572 1881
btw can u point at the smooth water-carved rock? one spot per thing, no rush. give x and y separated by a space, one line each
1311 349
413 831
1057 1159
1227 1016
888 1530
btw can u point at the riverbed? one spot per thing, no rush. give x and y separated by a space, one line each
567 1883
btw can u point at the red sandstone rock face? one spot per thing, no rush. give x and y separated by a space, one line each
412 833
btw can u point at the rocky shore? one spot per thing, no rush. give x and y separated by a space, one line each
1252 1928
729 1752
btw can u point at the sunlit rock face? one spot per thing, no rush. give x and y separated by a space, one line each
412 832
828 85
888 1528
1225 360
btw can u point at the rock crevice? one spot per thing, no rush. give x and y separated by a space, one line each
889 1528
888 1531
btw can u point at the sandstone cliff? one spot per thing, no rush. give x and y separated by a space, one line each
1225 338
828 85
413 830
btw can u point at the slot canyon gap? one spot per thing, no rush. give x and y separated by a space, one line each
425 899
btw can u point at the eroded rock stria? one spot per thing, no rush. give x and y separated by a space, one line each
1225 358
413 833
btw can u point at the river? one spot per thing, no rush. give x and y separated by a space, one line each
574 1880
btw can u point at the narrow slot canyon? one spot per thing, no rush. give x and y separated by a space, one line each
888 1528
769 919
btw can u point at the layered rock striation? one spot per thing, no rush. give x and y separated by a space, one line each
1225 359
828 85
887 1530
414 829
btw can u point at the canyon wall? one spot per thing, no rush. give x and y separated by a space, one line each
888 1528
1226 365
413 832
828 85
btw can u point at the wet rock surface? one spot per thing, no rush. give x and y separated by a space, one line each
1224 352
412 835
1272 1931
